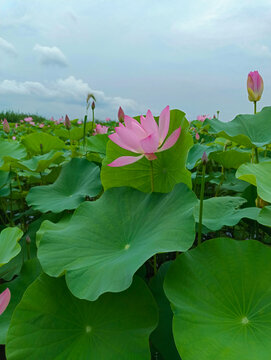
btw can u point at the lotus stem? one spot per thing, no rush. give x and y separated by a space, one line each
93 121
152 177
201 202
84 131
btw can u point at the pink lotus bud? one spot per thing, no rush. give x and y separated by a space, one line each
100 129
93 105
4 300
68 124
28 239
204 158
6 127
13 137
107 119
197 136
121 114
16 125
254 86
52 118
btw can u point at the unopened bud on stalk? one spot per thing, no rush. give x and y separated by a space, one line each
93 105
67 123
254 86
121 114
204 158
6 127
28 239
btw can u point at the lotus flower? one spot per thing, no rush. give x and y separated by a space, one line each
100 129
6 127
254 86
121 114
203 117
145 138
28 119
67 122
107 119
4 300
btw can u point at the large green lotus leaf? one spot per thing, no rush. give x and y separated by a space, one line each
30 271
169 168
4 183
221 300
9 246
76 133
10 151
258 175
50 323
114 236
224 211
39 143
196 152
162 337
40 162
231 159
78 179
248 130
97 143
264 217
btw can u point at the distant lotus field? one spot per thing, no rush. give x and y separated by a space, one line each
140 238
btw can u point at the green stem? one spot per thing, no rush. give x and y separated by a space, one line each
85 125
201 202
256 155
11 208
152 177
28 251
93 121
255 107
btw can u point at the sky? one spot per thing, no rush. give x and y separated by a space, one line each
191 55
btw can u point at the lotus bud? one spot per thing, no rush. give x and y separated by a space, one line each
121 114
28 239
204 158
254 86
6 127
68 124
93 105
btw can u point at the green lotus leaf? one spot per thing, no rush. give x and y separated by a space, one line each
231 159
76 133
10 151
221 299
114 236
50 323
264 217
224 211
196 152
258 175
9 246
248 130
78 179
97 143
162 337
169 168
30 271
40 162
39 143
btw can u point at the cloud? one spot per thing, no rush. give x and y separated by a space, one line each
51 55
69 90
7 47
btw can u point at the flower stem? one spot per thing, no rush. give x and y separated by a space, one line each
84 133
92 128
255 107
152 177
201 202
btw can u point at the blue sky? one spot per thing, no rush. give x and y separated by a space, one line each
192 55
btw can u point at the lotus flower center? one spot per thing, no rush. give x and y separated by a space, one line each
126 247
88 329
245 320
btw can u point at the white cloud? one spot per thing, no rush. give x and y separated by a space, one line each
69 90
51 55
7 47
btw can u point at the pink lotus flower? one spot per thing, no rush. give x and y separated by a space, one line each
16 125
28 119
67 122
52 119
254 86
100 129
79 122
4 300
121 114
107 119
145 138
203 117
41 125
6 127
32 123
13 137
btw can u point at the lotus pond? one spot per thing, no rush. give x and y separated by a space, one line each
147 238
